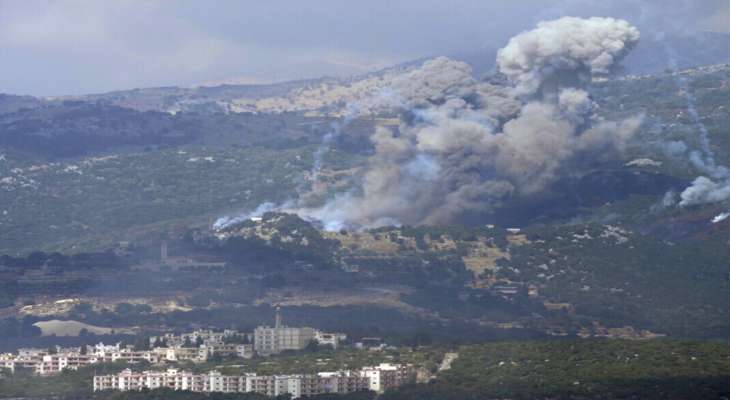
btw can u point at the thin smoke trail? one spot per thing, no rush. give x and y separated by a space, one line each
351 112
708 164
324 148
319 154
704 189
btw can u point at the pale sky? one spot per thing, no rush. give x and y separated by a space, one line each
87 46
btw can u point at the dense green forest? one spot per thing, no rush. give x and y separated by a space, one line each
583 369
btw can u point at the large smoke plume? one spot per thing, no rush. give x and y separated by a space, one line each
464 146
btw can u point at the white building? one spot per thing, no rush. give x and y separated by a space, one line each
274 340
42 362
194 338
329 339
228 350
386 376
268 340
195 354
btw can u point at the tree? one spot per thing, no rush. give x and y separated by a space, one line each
160 342
142 343
312 347
420 339
123 308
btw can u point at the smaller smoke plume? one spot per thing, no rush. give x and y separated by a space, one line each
715 186
720 217
704 190
224 222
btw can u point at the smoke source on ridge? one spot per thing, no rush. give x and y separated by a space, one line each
713 185
464 146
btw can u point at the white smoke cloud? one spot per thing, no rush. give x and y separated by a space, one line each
581 46
465 145
226 221
720 217
704 190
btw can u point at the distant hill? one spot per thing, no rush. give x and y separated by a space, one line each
62 129
329 96
11 103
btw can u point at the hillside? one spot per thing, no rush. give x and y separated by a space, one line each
597 253
40 142
580 370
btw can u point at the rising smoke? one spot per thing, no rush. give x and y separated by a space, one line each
714 185
226 221
464 146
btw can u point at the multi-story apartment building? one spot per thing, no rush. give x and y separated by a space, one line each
228 350
268 340
195 354
335 382
197 346
130 356
272 340
389 376
197 337
260 384
42 362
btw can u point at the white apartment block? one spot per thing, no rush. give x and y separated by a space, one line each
272 385
206 336
387 376
44 363
228 350
183 347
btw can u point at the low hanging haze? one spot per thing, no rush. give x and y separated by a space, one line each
67 47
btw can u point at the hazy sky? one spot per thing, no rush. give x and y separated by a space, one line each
83 46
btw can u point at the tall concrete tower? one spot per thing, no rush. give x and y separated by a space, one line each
277 324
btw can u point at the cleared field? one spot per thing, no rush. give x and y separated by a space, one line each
73 328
